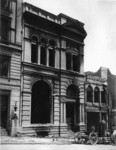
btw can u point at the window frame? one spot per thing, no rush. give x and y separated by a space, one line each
96 92
8 66
34 47
52 55
88 96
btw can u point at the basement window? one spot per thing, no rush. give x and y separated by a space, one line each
51 57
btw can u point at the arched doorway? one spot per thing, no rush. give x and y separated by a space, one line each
72 107
41 103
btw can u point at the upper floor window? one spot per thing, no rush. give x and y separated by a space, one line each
52 45
103 95
51 57
89 94
4 32
72 62
72 92
4 65
96 94
76 63
72 45
34 49
43 55
68 61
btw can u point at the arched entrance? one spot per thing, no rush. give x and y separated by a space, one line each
72 106
41 103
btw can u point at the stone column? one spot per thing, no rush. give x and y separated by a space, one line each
62 115
39 54
81 108
56 110
47 57
64 112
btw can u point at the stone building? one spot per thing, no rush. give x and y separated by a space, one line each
10 61
42 79
52 72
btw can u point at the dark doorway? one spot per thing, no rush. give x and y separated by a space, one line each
3 110
92 120
70 115
41 104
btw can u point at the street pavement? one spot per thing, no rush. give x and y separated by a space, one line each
55 147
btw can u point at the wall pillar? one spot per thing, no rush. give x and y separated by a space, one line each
81 108
39 54
47 57
64 112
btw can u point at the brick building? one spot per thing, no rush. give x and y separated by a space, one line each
97 102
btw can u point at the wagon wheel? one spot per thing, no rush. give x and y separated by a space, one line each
93 138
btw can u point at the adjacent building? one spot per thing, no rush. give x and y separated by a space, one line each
97 102
110 79
10 61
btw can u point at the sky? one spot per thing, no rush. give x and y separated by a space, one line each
99 17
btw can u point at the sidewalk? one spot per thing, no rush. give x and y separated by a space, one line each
34 140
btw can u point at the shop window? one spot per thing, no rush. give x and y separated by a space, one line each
96 95
51 57
43 55
68 61
103 95
89 94
4 32
4 65
34 49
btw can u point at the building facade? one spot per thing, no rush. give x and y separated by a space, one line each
97 103
10 61
52 72
104 73
42 79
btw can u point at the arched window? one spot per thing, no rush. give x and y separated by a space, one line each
43 53
89 94
52 45
103 95
41 102
34 49
96 95
43 41
72 92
